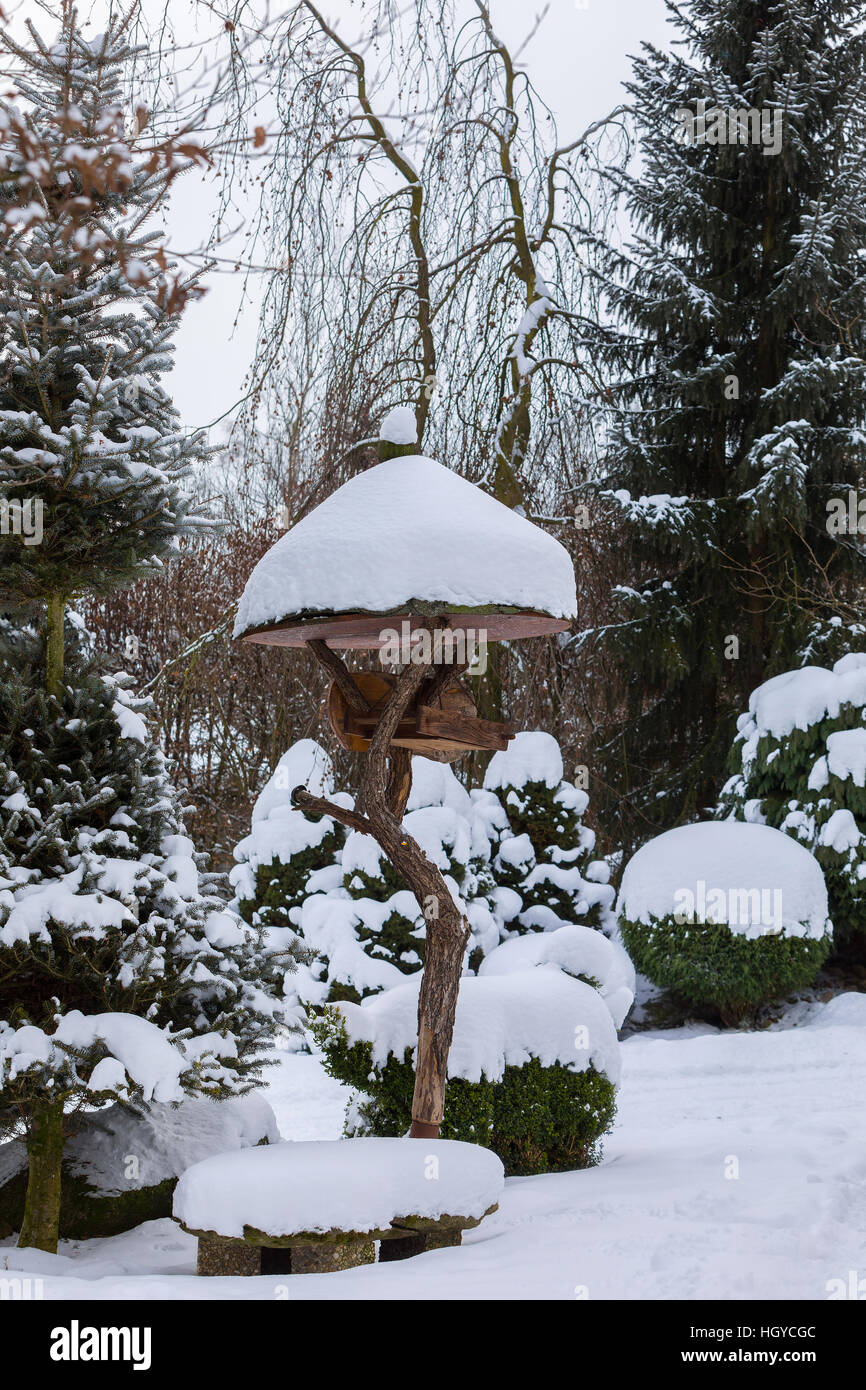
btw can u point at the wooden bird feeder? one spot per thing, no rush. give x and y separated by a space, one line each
409 557
444 729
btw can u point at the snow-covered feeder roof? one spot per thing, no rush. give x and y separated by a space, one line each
316 1186
752 878
502 1020
407 538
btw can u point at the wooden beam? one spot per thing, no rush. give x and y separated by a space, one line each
319 806
340 674
364 725
484 734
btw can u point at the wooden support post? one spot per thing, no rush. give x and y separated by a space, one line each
399 781
338 671
385 790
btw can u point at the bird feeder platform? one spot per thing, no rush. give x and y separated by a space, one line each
365 631
409 549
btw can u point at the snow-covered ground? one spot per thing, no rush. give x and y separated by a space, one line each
737 1170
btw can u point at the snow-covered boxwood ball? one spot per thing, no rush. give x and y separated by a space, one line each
725 915
799 764
534 1061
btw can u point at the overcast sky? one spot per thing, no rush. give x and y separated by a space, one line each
577 60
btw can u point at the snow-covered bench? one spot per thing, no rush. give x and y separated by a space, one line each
312 1207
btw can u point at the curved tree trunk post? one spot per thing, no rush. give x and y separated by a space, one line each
41 1224
386 785
447 930
399 781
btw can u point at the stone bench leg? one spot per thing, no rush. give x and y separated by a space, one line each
402 1247
230 1257
221 1257
328 1258
437 1240
416 1243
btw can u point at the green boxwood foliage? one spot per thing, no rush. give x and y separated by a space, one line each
282 885
708 965
401 937
538 1119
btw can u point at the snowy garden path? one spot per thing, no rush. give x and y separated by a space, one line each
658 1218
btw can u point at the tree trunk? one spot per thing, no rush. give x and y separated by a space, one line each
447 931
437 1007
399 781
54 645
41 1224
385 789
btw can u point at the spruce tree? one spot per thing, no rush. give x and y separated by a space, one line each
103 914
799 764
120 977
87 432
740 379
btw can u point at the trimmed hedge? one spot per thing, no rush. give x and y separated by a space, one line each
707 964
538 1119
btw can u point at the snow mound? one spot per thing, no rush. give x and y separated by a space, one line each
845 1011
339 1184
399 426
304 764
434 784
754 879
530 757
408 529
165 1140
502 1020
579 951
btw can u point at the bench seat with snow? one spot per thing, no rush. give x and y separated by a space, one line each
317 1206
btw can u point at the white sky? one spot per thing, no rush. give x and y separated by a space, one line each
577 61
